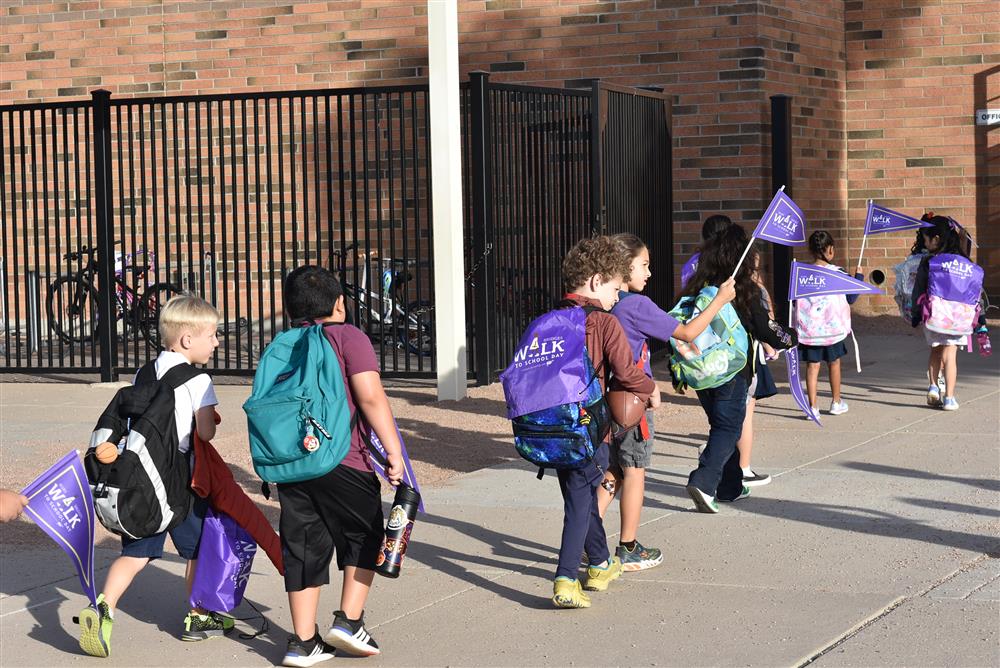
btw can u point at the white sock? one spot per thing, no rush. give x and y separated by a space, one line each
747 472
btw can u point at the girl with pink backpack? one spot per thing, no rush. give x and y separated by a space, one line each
823 324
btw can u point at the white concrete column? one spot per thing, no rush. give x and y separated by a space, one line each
446 175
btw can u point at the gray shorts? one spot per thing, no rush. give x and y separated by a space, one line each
629 450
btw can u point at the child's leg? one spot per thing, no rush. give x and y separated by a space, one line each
934 364
725 407
354 593
596 540
579 497
303 605
633 492
120 576
745 444
949 361
812 380
604 497
834 369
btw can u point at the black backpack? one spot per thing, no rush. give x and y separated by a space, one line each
146 490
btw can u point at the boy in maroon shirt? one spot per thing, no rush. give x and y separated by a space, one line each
593 271
342 510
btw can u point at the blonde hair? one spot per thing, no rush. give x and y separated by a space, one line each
185 312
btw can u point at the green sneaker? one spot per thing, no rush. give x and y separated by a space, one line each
703 503
567 593
203 627
598 578
95 629
640 558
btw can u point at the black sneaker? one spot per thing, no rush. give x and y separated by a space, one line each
756 479
350 636
305 653
203 627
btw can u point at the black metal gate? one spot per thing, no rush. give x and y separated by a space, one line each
110 206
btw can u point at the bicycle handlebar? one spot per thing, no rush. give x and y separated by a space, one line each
85 250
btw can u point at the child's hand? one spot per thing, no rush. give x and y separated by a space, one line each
769 352
727 291
654 399
11 505
395 469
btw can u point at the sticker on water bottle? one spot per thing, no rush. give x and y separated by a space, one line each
397 518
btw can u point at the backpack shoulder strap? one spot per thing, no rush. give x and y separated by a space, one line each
181 374
146 374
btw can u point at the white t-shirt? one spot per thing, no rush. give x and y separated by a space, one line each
188 398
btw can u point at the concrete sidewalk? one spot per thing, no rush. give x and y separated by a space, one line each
876 544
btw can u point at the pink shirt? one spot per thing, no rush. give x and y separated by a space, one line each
356 355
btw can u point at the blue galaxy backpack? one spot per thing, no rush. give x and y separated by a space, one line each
297 415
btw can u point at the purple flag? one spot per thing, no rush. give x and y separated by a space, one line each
880 219
408 476
792 361
60 502
783 222
687 271
810 280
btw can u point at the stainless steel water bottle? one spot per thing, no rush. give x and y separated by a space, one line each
397 531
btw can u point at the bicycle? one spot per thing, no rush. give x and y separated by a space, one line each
71 300
386 313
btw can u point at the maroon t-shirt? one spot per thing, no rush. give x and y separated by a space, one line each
356 355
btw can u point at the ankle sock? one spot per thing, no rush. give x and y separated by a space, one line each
747 472
630 545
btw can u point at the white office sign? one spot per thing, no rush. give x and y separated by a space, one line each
988 117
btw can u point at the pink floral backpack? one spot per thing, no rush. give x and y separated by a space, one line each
823 320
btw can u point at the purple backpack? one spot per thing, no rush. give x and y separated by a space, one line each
554 398
954 287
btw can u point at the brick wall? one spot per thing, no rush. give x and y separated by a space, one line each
917 71
860 74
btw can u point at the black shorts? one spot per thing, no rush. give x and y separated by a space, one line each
341 510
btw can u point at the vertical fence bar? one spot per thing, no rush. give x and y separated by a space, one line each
596 191
105 235
484 263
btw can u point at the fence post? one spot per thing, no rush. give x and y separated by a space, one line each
781 175
101 146
483 267
598 116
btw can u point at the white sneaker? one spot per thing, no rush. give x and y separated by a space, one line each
950 404
933 396
815 412
838 408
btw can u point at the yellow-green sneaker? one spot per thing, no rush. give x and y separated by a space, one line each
95 629
598 577
567 593
202 627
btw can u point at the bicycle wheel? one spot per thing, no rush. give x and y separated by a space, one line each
71 305
417 332
147 310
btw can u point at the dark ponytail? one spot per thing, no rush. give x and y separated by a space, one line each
819 241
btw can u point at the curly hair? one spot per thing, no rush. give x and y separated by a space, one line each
599 255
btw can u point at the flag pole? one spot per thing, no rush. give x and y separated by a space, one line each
749 245
864 238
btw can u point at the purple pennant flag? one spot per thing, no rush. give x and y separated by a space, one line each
783 222
687 271
880 219
795 383
810 280
60 502
408 476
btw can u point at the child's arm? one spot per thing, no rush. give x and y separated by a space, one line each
369 397
690 330
204 422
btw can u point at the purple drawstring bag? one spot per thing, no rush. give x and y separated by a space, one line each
225 557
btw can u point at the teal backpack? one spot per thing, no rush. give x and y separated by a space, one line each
717 355
298 395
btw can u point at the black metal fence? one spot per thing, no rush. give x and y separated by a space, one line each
222 195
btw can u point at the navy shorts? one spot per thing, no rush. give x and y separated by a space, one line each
830 353
186 537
